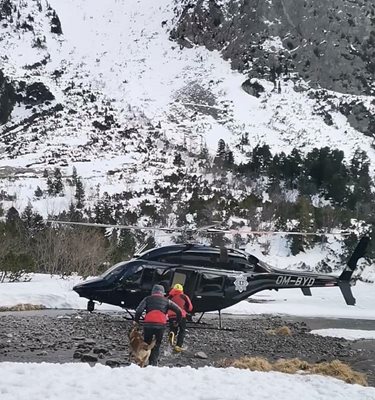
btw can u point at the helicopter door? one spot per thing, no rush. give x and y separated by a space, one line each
163 277
187 279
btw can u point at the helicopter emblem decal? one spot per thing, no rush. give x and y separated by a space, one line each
241 283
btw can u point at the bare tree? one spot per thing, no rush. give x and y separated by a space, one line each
67 251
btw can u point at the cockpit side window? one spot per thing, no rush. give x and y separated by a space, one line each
197 259
239 264
170 258
210 283
217 260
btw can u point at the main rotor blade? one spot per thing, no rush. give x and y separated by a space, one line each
145 228
249 231
207 228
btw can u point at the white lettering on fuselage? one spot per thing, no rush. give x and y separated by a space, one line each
295 280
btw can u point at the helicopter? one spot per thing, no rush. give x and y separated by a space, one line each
213 277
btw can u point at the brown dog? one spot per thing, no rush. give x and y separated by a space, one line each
139 350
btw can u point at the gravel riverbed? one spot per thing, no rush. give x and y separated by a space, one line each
103 338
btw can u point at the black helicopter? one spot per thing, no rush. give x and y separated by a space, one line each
214 277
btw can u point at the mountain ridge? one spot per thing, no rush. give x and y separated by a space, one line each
136 99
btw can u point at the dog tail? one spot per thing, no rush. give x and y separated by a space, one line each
131 331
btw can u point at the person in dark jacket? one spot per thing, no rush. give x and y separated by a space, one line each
156 307
178 328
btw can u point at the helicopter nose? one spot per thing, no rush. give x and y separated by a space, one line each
83 288
80 288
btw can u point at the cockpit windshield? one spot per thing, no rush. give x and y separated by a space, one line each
114 270
120 268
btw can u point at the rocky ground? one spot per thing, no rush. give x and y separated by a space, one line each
103 337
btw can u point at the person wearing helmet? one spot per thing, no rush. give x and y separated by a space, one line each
156 307
178 328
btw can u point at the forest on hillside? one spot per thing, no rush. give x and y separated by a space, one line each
317 192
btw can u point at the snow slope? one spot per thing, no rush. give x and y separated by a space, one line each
81 381
120 53
348 334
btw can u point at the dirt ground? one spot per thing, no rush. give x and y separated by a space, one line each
57 336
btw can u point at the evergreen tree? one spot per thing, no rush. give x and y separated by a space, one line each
14 225
361 182
104 210
274 169
12 216
124 247
303 213
204 152
291 167
148 143
80 194
74 214
50 186
38 192
55 184
58 183
228 157
32 220
220 154
261 158
27 215
327 171
220 149
7 97
74 176
178 161
244 139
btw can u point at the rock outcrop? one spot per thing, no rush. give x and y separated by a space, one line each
329 44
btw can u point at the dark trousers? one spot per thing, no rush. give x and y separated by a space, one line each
178 329
149 332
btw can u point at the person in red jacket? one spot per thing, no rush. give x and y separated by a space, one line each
156 307
178 328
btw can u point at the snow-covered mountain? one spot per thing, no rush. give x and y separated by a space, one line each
117 88
95 79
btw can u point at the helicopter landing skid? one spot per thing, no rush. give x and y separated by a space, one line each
129 317
204 325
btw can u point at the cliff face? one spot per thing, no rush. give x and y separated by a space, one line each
330 44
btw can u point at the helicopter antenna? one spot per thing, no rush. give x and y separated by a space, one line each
223 255
141 248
